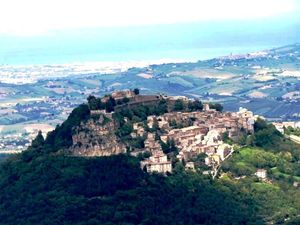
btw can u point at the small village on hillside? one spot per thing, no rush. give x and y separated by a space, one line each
156 142
205 135
176 135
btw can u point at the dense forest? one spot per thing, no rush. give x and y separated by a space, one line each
44 185
114 190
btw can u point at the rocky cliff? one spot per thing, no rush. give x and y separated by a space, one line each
96 137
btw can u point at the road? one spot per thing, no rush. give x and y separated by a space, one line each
10 151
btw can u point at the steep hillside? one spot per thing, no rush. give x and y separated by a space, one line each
50 184
113 190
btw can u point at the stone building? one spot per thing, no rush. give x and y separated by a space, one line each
158 162
122 94
138 130
151 144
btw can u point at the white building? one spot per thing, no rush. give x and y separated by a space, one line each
158 162
261 173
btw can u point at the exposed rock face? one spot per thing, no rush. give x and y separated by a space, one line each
96 137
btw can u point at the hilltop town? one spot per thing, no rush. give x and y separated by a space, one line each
45 95
144 150
179 131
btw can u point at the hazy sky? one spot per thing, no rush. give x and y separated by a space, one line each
66 31
36 17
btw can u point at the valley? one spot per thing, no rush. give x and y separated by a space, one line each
265 82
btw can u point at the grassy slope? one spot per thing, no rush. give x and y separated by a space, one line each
278 196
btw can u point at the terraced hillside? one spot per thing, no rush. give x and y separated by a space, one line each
265 82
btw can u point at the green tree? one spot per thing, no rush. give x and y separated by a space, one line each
136 91
179 105
110 104
95 103
169 147
216 106
125 100
260 124
195 105
161 108
38 141
61 137
124 130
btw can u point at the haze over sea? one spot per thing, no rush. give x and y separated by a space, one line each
180 42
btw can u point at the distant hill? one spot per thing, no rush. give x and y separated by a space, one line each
265 82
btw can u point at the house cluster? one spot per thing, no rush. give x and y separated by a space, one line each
158 162
281 125
192 133
203 133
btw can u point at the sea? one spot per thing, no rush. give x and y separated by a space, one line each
173 42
